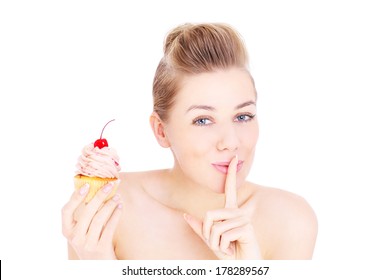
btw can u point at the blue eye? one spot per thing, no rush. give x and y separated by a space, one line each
202 122
245 117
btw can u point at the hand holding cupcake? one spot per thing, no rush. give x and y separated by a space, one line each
90 217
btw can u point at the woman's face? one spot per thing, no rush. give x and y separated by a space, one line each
214 119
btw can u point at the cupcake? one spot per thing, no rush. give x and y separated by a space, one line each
98 165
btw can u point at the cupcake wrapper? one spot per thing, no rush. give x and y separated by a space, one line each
95 184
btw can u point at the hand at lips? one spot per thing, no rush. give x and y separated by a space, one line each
228 232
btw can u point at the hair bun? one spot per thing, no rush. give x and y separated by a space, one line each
195 48
173 35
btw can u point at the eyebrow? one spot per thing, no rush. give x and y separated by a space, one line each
248 103
210 108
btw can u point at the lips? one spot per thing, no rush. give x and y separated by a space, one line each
224 166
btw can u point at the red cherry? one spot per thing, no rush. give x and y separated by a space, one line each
101 143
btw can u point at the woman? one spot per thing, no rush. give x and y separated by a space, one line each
203 207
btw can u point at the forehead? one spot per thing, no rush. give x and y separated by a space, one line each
219 88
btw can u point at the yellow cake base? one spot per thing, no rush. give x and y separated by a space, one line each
95 184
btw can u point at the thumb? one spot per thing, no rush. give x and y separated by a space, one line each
195 224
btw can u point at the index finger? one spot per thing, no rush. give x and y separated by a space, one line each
230 185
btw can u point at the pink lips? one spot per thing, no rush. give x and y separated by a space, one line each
223 166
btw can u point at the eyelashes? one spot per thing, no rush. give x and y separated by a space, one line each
208 120
202 121
245 117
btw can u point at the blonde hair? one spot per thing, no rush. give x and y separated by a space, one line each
192 49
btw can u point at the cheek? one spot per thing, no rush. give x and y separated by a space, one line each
188 145
248 148
253 139
249 137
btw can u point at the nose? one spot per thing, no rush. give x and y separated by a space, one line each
228 138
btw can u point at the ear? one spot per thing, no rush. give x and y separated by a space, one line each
159 130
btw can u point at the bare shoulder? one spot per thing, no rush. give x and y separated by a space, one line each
135 199
282 202
287 223
134 182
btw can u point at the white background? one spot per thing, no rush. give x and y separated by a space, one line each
322 72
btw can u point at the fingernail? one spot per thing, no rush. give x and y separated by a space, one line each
116 197
120 206
117 182
84 189
108 187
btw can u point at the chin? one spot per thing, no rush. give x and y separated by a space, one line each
214 183
219 190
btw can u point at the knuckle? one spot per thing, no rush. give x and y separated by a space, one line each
76 241
100 195
246 220
67 232
65 210
111 203
217 228
214 247
208 215
249 226
239 211
98 219
226 236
